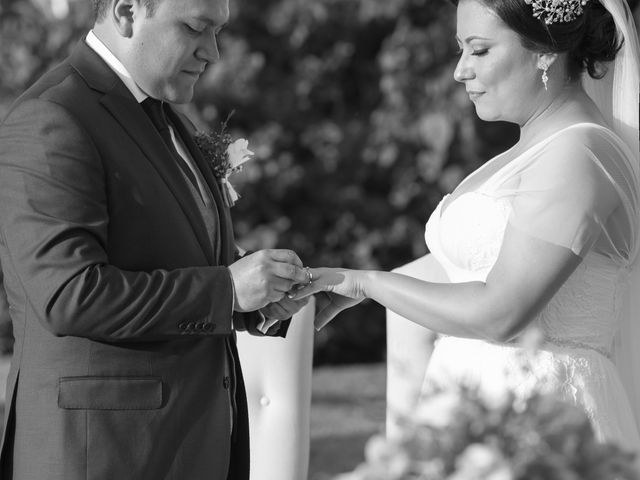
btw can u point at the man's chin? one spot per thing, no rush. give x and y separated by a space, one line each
180 97
179 91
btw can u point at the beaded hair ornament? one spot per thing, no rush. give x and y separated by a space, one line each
557 11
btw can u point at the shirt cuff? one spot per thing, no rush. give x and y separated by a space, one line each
265 324
233 297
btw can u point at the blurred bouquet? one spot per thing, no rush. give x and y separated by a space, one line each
459 434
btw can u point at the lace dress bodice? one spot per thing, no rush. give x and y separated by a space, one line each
466 239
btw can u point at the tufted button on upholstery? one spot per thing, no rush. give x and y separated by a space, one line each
226 382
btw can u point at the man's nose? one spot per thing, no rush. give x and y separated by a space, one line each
208 49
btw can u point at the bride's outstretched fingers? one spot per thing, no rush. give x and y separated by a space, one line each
336 289
328 305
337 280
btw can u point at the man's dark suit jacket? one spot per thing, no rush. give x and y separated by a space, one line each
119 296
6 335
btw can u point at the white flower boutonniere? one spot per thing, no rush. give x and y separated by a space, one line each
225 157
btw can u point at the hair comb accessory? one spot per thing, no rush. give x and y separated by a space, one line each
557 11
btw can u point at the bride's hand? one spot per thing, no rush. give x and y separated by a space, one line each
335 289
342 281
328 305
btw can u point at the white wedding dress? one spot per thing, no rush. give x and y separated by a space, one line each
554 192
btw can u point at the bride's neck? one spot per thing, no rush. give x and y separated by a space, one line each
568 106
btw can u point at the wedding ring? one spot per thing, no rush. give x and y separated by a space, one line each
310 275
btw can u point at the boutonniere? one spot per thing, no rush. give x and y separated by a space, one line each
225 157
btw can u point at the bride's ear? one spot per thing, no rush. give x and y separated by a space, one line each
546 59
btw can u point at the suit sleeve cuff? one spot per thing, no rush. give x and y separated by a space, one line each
265 324
233 293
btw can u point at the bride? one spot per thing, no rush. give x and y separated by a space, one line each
544 235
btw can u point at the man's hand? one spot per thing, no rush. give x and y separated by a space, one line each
265 277
284 309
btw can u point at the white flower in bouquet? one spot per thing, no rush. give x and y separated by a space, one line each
497 399
481 462
392 460
438 410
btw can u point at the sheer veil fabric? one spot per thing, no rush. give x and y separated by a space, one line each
617 96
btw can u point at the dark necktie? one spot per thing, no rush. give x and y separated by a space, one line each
155 111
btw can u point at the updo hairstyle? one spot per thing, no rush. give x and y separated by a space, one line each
590 40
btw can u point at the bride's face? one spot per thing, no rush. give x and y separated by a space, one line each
500 75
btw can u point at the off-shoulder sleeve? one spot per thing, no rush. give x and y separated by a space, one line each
567 192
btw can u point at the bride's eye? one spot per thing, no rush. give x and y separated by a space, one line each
480 52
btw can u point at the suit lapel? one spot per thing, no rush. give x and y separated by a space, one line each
125 109
226 227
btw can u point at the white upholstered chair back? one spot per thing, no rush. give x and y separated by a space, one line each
409 347
277 373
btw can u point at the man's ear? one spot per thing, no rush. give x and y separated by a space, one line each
122 13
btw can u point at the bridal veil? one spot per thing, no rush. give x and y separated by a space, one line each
617 96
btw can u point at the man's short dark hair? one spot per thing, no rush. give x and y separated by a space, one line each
100 8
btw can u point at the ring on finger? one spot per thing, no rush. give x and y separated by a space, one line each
309 274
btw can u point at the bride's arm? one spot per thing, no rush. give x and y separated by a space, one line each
525 276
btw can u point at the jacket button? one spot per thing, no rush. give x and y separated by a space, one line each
182 326
226 383
200 326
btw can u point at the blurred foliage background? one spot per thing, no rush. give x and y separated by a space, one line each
351 108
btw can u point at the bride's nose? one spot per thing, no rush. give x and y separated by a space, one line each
463 71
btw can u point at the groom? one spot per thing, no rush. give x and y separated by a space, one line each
124 285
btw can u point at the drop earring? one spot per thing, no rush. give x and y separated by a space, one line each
545 77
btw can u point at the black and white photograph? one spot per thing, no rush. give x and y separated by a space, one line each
319 240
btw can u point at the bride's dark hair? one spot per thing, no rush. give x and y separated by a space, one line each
590 40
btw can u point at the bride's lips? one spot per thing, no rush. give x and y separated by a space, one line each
474 95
